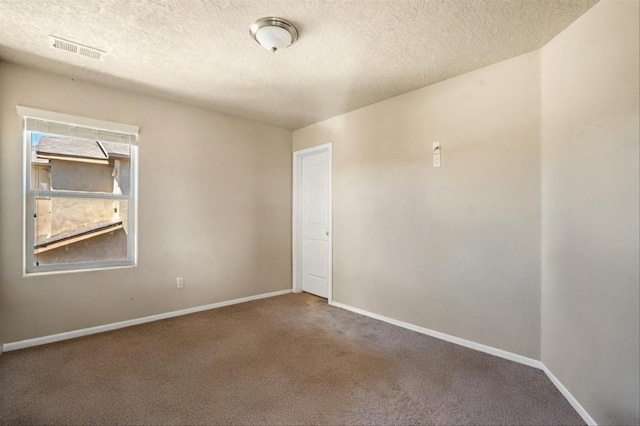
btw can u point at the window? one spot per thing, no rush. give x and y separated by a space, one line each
80 192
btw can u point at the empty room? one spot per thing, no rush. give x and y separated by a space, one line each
320 212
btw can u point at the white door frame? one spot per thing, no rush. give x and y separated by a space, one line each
297 187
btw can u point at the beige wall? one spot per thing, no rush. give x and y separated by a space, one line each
214 207
590 279
455 249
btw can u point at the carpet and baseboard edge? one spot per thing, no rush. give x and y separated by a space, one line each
442 336
128 323
482 348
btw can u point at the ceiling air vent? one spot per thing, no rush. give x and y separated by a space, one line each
75 48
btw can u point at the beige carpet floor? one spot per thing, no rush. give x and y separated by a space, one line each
285 360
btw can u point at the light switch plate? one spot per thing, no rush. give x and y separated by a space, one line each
436 160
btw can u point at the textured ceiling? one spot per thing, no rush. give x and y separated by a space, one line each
350 53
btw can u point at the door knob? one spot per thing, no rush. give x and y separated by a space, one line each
327 233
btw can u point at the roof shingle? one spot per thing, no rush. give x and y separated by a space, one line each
71 147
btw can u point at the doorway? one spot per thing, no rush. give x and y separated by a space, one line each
312 233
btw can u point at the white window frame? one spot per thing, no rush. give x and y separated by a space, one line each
41 121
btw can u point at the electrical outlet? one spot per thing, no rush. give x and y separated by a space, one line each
180 282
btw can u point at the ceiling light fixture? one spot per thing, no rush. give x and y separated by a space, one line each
273 33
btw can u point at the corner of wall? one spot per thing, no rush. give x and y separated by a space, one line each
590 280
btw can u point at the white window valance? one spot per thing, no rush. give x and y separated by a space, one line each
55 123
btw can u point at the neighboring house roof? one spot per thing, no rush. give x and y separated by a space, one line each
80 149
71 147
121 150
50 243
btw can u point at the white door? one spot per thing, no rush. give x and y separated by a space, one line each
314 212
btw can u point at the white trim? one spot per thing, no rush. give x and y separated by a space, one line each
295 232
482 348
572 400
78 194
76 120
27 207
132 208
447 337
128 323
84 267
313 149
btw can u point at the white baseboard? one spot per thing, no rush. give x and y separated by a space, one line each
128 323
442 336
574 402
482 348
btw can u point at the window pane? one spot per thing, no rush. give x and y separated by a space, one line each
68 230
72 164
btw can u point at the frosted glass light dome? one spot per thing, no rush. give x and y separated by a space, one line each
273 33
